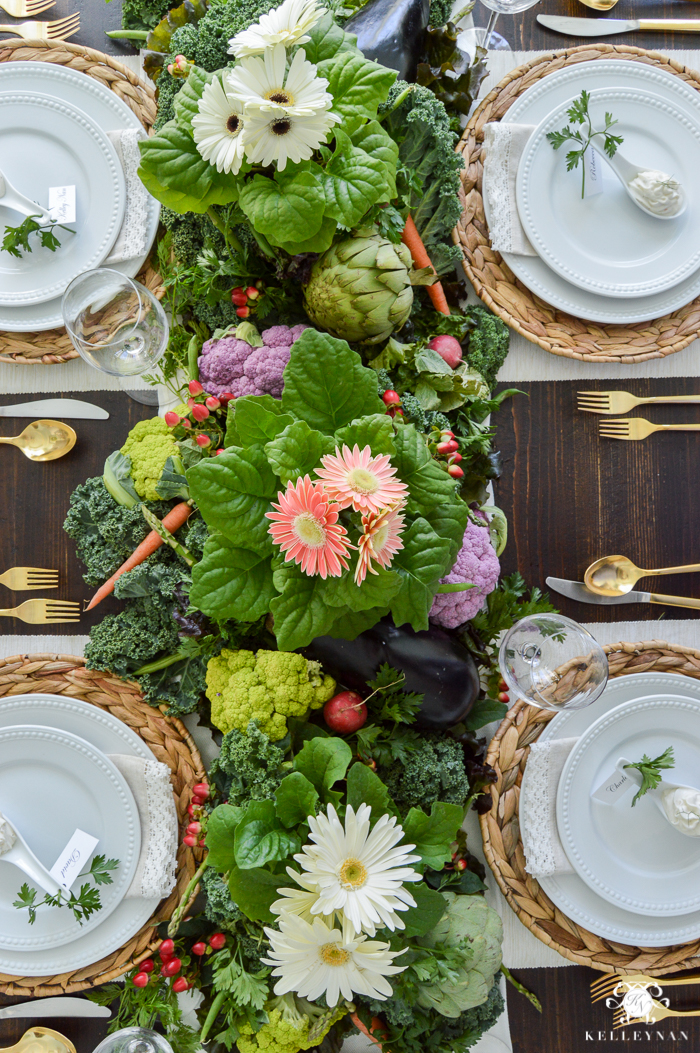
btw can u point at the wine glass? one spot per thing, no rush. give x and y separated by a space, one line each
134 1040
552 662
116 325
470 39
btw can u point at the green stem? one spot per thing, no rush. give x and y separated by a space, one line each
212 1015
179 911
399 99
128 34
193 349
155 524
231 239
160 663
522 989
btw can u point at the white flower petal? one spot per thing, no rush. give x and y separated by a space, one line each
287 24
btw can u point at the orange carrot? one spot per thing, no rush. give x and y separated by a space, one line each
413 240
375 1028
172 522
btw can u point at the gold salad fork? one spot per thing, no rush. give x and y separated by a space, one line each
605 985
26 8
21 579
622 401
37 612
660 1013
59 30
634 428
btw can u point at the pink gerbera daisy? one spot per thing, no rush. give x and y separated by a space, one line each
380 540
356 478
306 528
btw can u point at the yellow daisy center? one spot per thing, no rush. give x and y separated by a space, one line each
380 537
233 124
281 96
332 954
353 874
309 531
362 481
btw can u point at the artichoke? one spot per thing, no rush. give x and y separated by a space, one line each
360 289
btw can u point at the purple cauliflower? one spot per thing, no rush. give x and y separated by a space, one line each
477 563
230 364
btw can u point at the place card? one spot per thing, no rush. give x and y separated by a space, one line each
73 858
62 203
594 173
614 787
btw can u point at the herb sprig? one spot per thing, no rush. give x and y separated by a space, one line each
650 771
87 901
16 239
578 114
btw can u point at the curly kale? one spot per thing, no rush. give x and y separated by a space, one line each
122 642
440 11
168 87
488 343
220 908
184 41
144 14
434 771
190 232
423 419
221 22
196 536
250 764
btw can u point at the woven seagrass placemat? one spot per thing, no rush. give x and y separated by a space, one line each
170 742
54 345
495 283
503 847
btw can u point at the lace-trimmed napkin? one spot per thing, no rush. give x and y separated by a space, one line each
133 237
544 855
149 781
503 146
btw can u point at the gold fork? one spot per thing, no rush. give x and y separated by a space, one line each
660 1013
26 8
605 985
21 579
634 428
37 612
59 30
622 401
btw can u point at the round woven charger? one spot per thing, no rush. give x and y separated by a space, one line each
54 345
503 847
171 743
495 283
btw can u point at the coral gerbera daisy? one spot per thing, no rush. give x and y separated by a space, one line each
354 477
218 128
306 528
380 540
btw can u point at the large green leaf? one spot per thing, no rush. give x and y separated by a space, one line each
221 831
433 834
349 624
365 787
253 891
260 837
323 762
232 582
318 242
375 431
357 85
189 95
300 611
256 419
288 208
326 39
422 561
353 181
170 161
296 799
430 907
377 590
233 493
372 139
326 384
297 451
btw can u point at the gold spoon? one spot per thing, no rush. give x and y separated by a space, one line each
599 5
44 440
617 575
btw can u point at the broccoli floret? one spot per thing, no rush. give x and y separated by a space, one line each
440 11
434 771
220 909
488 343
184 41
123 642
251 764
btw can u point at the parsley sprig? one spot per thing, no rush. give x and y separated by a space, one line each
578 114
650 771
16 239
87 901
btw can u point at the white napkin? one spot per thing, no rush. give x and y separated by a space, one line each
501 152
544 855
132 238
149 781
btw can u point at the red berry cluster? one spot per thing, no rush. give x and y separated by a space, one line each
175 963
392 401
445 448
503 695
195 810
245 299
206 420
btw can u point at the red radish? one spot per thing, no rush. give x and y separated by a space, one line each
195 388
140 980
448 348
171 967
217 941
391 398
148 966
345 712
172 419
199 948
181 985
239 297
201 789
167 949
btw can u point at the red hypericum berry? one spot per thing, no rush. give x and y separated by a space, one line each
443 447
201 789
212 402
194 828
461 864
446 434
202 843
181 985
225 397
394 411
503 696
252 293
185 423
166 949
172 419
371 764
243 312
200 411
455 458
194 809
148 966
171 68
455 471
197 801
202 440
171 967
191 402
195 388
502 685
217 453
217 941
239 296
140 980
190 840
391 398
199 948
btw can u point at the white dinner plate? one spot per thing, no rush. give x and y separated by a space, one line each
111 736
45 142
579 902
606 244
52 782
530 108
633 856
108 112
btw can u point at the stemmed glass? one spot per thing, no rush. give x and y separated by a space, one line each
552 662
116 325
134 1040
470 39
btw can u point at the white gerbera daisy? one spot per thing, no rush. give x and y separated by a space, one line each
282 137
265 84
359 871
218 127
286 24
297 901
313 959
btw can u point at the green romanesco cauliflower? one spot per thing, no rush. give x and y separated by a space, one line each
267 687
149 444
293 1024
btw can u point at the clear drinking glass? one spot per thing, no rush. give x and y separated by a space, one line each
470 39
116 325
134 1040
552 662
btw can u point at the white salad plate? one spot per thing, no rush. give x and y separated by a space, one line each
532 107
111 736
52 783
45 142
633 856
605 243
568 891
109 113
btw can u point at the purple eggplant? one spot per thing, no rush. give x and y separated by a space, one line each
392 32
434 663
